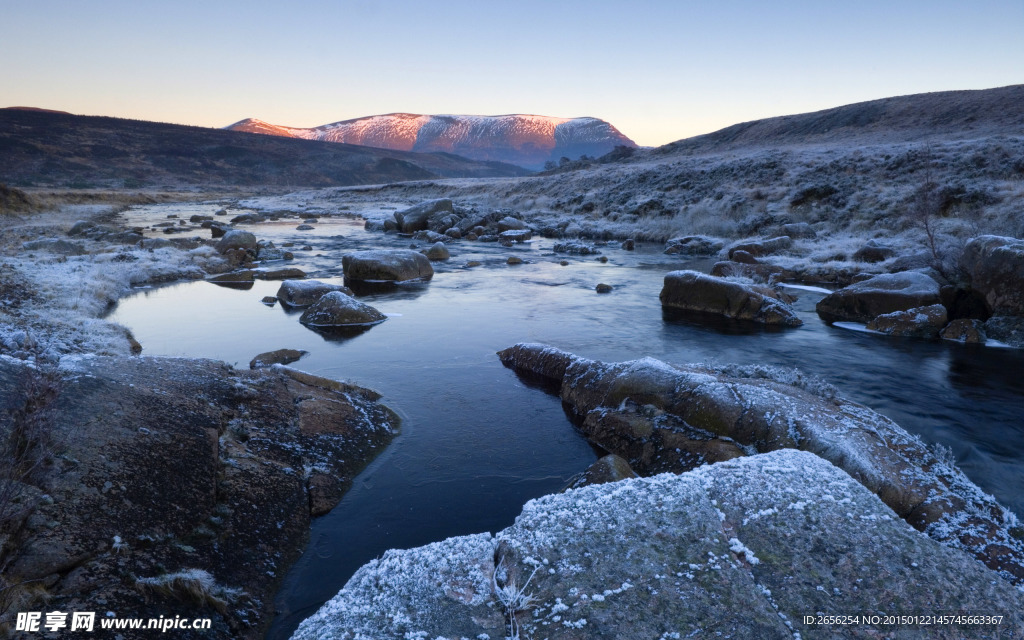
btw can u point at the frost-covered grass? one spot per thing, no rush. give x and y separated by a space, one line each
58 301
194 586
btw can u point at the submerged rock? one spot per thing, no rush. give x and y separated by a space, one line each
335 309
920 322
670 418
575 248
394 265
995 265
746 548
863 301
694 291
302 293
280 356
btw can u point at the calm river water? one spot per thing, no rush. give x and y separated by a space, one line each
477 442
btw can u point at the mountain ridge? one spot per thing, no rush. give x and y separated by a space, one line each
527 140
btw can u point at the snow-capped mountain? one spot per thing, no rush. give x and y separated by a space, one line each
525 140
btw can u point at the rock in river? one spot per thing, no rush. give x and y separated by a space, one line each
741 549
380 265
236 239
415 218
335 309
885 293
995 265
302 293
920 322
694 291
662 417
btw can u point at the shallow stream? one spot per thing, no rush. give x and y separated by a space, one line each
476 441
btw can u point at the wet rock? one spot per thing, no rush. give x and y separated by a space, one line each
564 263
471 236
874 251
415 218
395 265
304 227
603 288
694 291
246 218
663 417
335 309
1006 329
965 330
302 293
473 263
762 248
237 239
610 468
390 225
269 300
694 246
280 274
438 252
514 260
920 322
280 356
517 235
995 265
863 301
269 253
217 231
55 245
200 218
745 548
575 248
629 244
453 233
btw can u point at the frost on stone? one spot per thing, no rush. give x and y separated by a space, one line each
748 409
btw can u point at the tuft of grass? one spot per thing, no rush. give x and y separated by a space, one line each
193 586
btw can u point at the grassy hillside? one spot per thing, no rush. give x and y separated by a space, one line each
40 148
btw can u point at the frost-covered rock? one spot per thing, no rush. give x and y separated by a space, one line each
694 246
759 272
55 245
516 235
670 418
394 265
995 265
508 223
279 356
415 218
744 549
762 247
237 239
1006 329
302 293
921 322
575 248
335 309
863 301
873 251
694 291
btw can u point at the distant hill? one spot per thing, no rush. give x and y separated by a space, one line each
40 147
946 115
525 140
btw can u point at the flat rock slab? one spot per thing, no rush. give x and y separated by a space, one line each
741 549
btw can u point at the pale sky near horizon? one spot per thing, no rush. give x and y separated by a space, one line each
659 70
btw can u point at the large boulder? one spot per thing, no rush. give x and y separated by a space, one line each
873 251
386 265
662 417
335 309
995 265
1006 329
762 247
863 301
415 218
302 293
921 322
694 246
754 548
237 239
694 291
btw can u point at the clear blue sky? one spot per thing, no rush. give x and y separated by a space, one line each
659 70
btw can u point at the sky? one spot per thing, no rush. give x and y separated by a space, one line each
658 70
